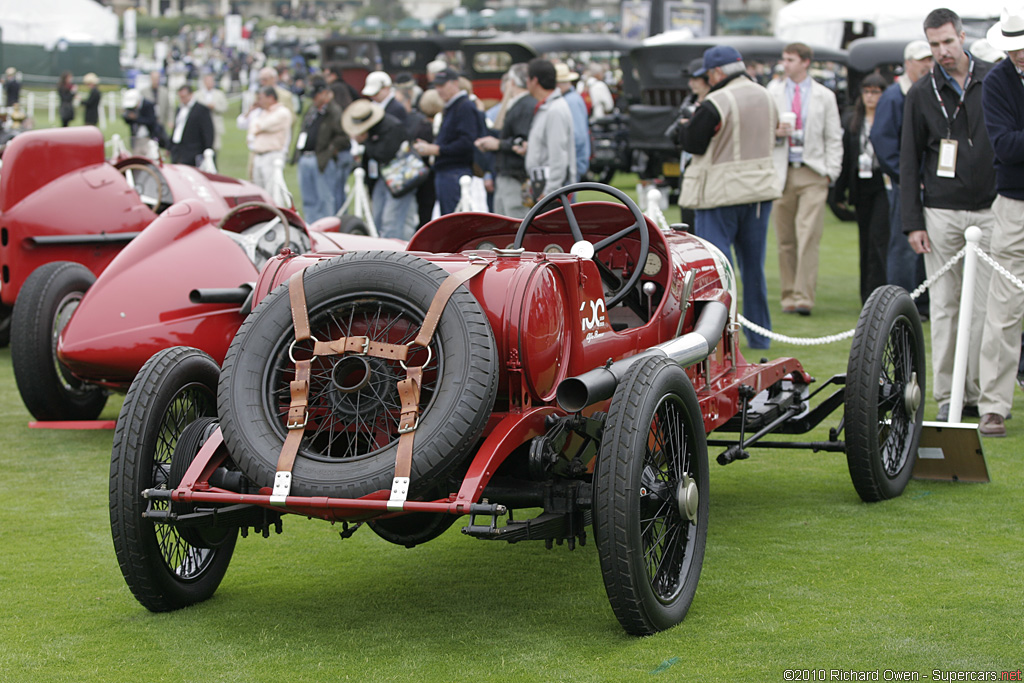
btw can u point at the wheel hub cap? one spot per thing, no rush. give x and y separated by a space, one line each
912 395
688 498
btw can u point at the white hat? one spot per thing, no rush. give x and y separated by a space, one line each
563 75
436 65
916 50
983 50
131 99
1008 34
375 82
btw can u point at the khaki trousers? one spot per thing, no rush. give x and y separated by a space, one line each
799 222
946 233
1000 344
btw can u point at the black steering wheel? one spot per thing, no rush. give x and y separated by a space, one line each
617 289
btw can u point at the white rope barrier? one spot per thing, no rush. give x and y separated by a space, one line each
359 199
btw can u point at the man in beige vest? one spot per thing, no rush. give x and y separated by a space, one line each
731 181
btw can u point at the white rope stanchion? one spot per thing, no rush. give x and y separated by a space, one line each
279 188
117 147
654 209
963 330
359 199
208 165
465 196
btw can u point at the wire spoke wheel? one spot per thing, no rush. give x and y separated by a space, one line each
651 497
173 391
885 382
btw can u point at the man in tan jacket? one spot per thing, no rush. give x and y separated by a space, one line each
808 156
731 180
267 127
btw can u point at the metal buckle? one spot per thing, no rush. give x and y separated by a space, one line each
430 356
406 430
291 348
399 493
305 421
366 345
282 487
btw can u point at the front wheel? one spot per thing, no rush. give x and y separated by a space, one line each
164 568
651 497
885 381
44 307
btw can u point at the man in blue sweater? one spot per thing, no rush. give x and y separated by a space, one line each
901 261
1002 100
452 149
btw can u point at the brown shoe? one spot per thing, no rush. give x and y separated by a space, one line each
992 425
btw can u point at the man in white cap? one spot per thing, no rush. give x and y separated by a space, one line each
1002 100
901 261
378 87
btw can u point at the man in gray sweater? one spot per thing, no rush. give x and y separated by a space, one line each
549 149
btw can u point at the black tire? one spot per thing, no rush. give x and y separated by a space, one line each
44 306
175 387
651 565
350 444
353 226
5 325
885 380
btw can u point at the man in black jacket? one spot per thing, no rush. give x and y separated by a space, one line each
513 123
193 130
316 151
946 148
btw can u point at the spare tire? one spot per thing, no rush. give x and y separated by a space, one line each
350 442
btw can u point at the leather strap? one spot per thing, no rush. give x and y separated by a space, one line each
444 293
361 345
297 297
409 392
298 417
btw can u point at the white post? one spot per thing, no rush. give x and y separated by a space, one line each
51 102
279 188
362 207
963 330
465 199
654 211
208 165
30 105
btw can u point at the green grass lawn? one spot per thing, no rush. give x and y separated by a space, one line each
799 574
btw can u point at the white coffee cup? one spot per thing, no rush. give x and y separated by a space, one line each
788 118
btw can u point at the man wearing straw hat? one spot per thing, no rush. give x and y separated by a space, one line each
381 136
1002 100
12 87
580 123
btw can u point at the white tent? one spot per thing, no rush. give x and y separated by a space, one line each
47 22
822 22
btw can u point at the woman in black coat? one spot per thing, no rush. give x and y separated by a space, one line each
91 104
862 185
66 92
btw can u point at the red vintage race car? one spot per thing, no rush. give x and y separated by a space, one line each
574 362
60 200
184 280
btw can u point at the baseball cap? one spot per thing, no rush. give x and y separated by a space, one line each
444 75
717 56
375 82
317 85
916 49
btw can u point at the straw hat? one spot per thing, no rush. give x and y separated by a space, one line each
563 75
11 71
90 79
1008 34
361 116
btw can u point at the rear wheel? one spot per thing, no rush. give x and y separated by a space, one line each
885 382
164 568
651 497
353 225
44 307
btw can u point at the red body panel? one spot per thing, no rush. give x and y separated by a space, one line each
56 184
546 309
